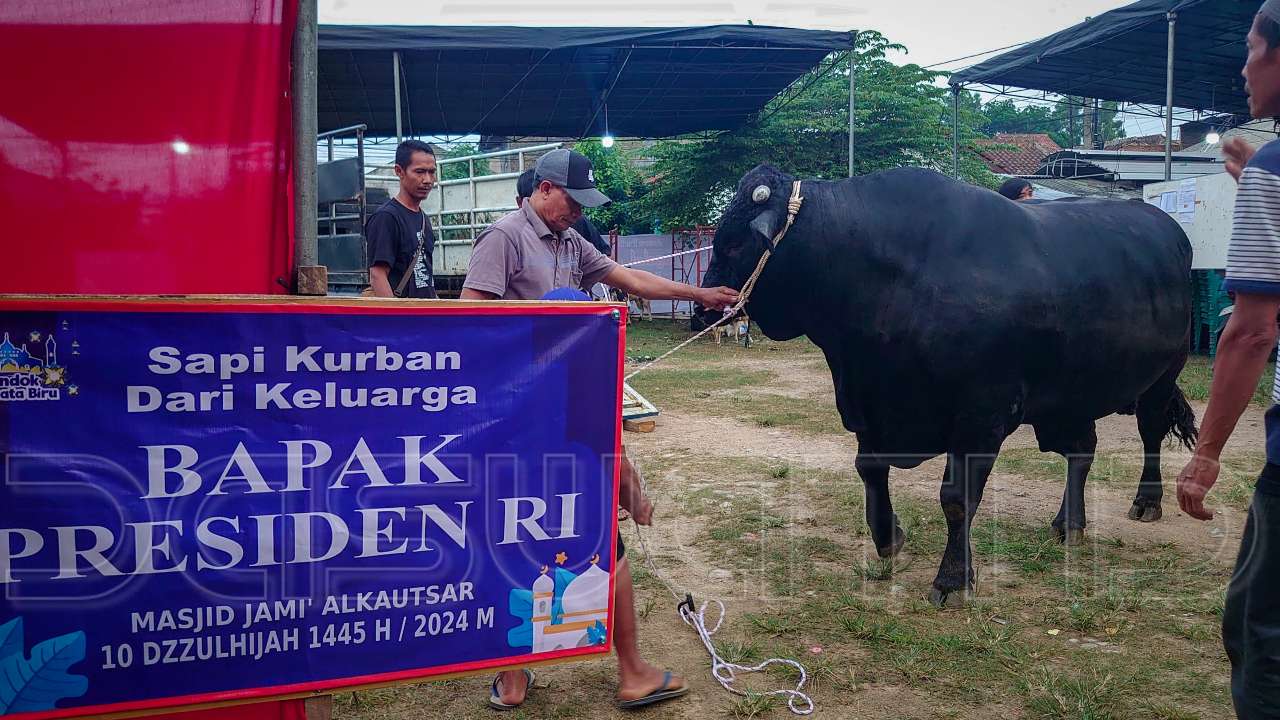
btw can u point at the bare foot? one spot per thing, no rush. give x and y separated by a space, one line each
638 682
513 685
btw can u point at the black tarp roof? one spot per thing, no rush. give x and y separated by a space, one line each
1121 55
521 81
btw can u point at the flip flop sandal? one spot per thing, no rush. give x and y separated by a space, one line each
495 694
664 692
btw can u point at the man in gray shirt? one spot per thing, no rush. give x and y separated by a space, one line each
534 250
523 256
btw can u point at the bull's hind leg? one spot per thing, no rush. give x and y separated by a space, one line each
1070 523
1161 409
886 533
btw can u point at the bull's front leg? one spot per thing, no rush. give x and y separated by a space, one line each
886 533
962 486
1070 523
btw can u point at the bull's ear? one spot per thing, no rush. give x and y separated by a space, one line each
765 226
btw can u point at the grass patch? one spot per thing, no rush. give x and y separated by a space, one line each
1090 696
753 706
672 384
647 339
1197 378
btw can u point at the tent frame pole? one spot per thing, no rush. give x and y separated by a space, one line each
395 69
853 89
1168 100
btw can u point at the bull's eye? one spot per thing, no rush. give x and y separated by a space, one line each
760 194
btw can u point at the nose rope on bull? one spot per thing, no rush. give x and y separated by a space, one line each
793 209
696 617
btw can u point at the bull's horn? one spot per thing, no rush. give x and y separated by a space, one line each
760 194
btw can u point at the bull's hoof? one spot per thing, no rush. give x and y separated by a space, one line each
1071 537
950 599
899 540
1145 513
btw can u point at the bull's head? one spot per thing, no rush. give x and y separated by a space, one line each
747 228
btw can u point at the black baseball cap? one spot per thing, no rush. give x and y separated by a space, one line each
571 171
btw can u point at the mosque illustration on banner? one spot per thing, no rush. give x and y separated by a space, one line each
561 610
20 367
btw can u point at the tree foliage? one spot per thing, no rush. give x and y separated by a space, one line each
617 177
459 170
902 117
1063 121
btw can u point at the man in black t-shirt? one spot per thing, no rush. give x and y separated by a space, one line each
399 234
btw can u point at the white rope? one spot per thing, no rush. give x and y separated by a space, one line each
728 313
722 670
664 257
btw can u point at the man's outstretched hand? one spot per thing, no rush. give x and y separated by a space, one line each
716 298
1193 484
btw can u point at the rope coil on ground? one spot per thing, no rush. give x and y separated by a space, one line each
723 671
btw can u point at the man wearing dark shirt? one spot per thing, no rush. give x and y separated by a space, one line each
399 234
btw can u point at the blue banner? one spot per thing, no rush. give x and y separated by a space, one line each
202 502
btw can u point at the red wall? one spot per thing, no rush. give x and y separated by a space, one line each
101 99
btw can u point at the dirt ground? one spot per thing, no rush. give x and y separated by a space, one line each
758 505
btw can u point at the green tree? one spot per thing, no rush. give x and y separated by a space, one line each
617 177
902 117
1063 121
459 170
1003 116
1070 111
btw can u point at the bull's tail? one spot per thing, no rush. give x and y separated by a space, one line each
1182 419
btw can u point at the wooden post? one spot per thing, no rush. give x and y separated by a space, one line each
311 278
319 707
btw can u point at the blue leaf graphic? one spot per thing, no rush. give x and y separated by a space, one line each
39 683
520 604
11 638
596 633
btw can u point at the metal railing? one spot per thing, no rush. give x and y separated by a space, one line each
346 280
333 218
473 224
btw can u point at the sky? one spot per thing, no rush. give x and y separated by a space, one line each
933 31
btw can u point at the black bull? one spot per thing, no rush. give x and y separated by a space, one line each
949 316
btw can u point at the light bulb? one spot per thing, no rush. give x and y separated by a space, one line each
181 147
1213 137
607 141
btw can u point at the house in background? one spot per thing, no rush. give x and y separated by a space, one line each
1145 143
1016 153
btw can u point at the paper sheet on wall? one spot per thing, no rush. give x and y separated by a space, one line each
1169 201
1187 196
